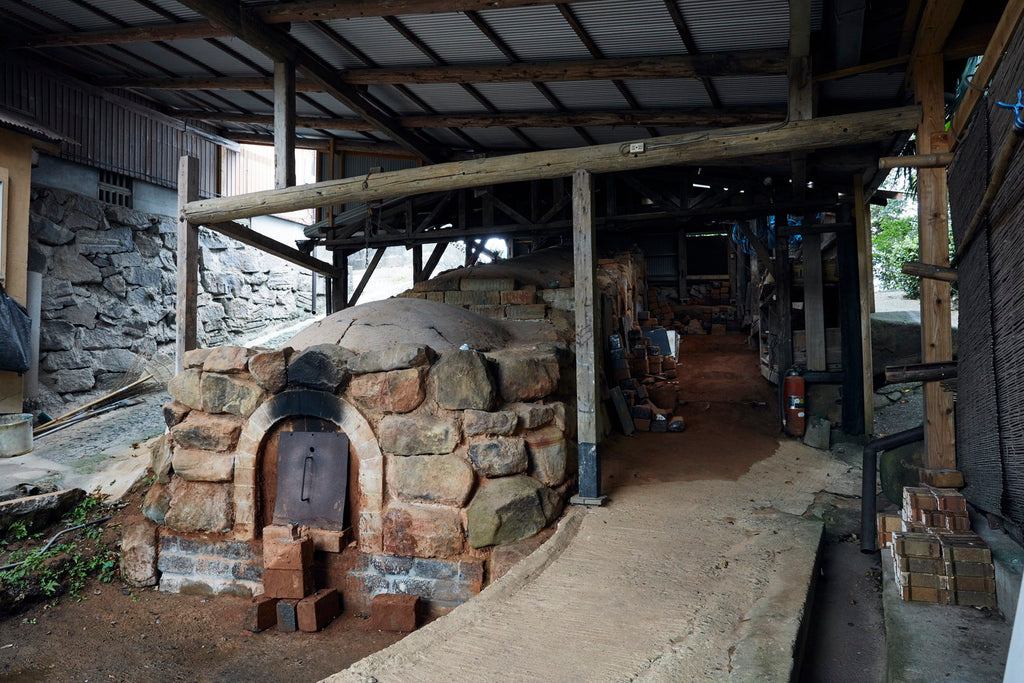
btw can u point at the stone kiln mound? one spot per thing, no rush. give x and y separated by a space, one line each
383 324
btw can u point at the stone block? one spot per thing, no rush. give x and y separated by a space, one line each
509 509
532 415
261 614
294 555
462 380
499 456
156 502
518 296
73 381
527 374
270 370
185 388
504 557
422 531
548 454
175 412
317 610
227 360
398 391
196 358
287 615
232 394
400 356
526 312
417 435
139 553
199 465
199 506
207 432
390 612
323 367
818 433
290 584
161 451
491 284
443 479
40 510
476 422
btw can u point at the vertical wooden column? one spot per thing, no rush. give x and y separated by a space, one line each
783 302
862 219
933 227
284 124
188 263
339 285
850 325
584 262
417 263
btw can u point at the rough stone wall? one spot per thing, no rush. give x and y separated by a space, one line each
108 292
471 451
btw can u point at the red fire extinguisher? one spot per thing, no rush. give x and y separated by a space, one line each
794 415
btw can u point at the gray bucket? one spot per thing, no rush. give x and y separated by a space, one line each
15 434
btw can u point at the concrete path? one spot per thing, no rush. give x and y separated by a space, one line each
672 581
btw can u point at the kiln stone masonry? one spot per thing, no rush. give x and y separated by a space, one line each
451 454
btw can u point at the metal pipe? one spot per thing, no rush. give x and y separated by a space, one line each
869 492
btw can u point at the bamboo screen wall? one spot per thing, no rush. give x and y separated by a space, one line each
990 389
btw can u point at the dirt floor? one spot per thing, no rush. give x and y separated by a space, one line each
116 633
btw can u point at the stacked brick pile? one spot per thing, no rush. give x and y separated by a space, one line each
501 298
936 558
645 376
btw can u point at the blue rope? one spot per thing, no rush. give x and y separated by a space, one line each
1018 109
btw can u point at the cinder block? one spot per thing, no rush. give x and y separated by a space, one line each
391 612
261 614
292 584
294 555
286 616
317 610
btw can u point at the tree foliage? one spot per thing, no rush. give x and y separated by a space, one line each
894 241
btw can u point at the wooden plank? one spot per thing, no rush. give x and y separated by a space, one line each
936 24
273 247
891 64
814 304
284 124
931 271
1005 29
862 218
186 326
731 143
933 227
585 283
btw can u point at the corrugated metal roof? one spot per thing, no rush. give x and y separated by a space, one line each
588 94
325 48
554 138
515 97
453 37
381 43
497 138
536 33
625 29
447 98
610 134
865 87
65 11
752 90
393 99
663 93
738 24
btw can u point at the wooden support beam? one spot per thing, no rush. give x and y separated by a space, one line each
338 299
284 124
243 22
814 304
930 271
1005 29
850 320
585 284
763 255
731 143
188 263
813 229
434 259
783 304
862 219
920 372
372 266
933 227
381 149
273 247
940 160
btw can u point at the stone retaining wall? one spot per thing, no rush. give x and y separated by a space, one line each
453 454
108 291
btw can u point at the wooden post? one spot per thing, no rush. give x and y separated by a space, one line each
933 227
284 124
188 262
584 260
850 325
862 217
417 263
784 302
339 285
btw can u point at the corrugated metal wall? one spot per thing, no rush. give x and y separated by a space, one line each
112 133
990 392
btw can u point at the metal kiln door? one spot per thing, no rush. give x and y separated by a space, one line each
312 479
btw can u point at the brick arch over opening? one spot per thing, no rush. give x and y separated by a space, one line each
362 446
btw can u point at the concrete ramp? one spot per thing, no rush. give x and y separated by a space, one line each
672 581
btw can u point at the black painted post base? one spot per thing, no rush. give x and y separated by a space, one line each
590 477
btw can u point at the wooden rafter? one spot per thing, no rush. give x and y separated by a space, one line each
281 46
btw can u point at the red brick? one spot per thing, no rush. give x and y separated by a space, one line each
976 599
261 614
295 555
518 296
281 532
389 612
329 541
317 610
287 583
